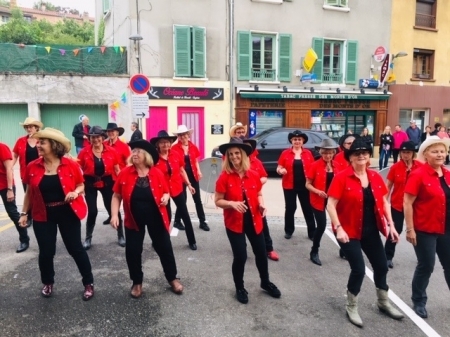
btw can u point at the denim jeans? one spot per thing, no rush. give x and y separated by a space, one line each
398 218
290 198
13 213
384 158
428 245
372 246
197 199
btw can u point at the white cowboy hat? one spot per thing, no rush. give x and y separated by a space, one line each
431 140
182 129
238 125
51 133
32 121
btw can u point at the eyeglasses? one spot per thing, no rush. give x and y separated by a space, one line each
361 153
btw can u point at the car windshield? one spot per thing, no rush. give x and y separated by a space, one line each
262 134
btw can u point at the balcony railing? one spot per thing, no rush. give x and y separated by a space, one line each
268 75
425 20
332 78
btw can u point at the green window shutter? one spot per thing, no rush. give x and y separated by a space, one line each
317 45
352 61
344 3
332 2
106 6
182 50
199 52
244 40
284 57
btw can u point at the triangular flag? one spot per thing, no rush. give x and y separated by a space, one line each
62 51
76 51
116 104
113 115
121 49
48 49
89 49
124 97
102 49
116 49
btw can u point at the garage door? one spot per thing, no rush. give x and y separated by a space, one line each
10 116
64 117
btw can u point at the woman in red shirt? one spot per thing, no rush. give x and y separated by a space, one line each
396 182
145 194
427 214
171 164
26 151
318 180
238 192
359 210
53 196
191 153
292 166
100 165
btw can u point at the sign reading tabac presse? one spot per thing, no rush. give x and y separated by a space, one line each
186 93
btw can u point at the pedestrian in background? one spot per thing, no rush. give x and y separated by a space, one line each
366 137
442 133
386 141
414 134
25 150
79 133
437 127
145 195
359 211
238 193
137 134
55 185
426 134
293 164
399 136
427 214
190 152
396 182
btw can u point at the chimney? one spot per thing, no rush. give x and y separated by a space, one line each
13 4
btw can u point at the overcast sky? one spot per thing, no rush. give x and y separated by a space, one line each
81 5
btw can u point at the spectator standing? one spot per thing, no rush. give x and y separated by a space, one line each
79 132
386 141
367 138
399 136
442 133
137 134
437 127
426 134
414 134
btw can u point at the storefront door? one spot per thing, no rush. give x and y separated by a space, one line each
193 118
357 121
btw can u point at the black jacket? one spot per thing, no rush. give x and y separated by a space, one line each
78 134
368 140
137 135
386 140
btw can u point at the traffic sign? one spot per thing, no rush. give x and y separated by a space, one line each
140 106
379 54
139 84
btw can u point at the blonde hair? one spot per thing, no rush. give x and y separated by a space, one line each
435 144
228 166
148 159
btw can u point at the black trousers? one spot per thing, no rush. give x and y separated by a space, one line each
69 225
290 198
239 248
162 245
321 220
428 245
180 202
197 199
13 214
395 153
372 246
267 238
398 218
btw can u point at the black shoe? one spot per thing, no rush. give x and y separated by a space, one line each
271 289
241 295
179 226
22 247
390 264
107 221
204 226
87 244
342 254
121 241
420 310
287 236
314 257
193 246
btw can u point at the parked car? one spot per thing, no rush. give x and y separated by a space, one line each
271 142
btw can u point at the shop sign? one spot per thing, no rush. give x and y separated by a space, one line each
267 103
277 95
185 94
344 104
379 54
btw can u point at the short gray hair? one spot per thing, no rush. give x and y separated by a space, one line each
136 125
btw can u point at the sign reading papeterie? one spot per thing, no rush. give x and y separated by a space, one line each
186 94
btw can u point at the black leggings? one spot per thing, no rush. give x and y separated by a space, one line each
180 202
321 220
197 199
290 198
389 247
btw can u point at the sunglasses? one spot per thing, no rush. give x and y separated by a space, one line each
362 152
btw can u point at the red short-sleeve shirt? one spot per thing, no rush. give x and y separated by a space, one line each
430 204
193 153
318 175
286 160
109 156
233 187
123 151
20 149
5 154
340 159
257 165
346 187
174 179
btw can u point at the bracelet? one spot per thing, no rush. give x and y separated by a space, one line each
10 189
338 227
409 230
23 214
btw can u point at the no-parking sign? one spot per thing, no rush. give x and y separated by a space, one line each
139 84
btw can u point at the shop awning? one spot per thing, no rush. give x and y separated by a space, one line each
315 95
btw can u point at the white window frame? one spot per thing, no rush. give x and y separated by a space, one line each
275 52
338 7
343 64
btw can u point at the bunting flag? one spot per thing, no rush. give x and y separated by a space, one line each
121 50
62 51
102 48
76 51
116 49
124 97
48 49
90 49
113 115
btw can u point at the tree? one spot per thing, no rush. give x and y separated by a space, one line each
48 5
4 3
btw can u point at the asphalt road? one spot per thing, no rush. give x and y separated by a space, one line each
312 302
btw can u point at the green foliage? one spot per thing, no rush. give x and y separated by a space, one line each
101 32
4 3
67 32
48 5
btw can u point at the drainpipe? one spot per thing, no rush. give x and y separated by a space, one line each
231 58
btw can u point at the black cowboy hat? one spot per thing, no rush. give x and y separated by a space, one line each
344 138
96 131
298 133
358 145
236 142
163 135
249 141
147 147
113 126
407 146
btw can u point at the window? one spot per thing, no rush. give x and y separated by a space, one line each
5 19
336 3
264 57
337 61
426 13
408 115
106 6
423 64
190 51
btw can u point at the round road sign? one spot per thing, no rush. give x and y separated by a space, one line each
379 54
139 84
